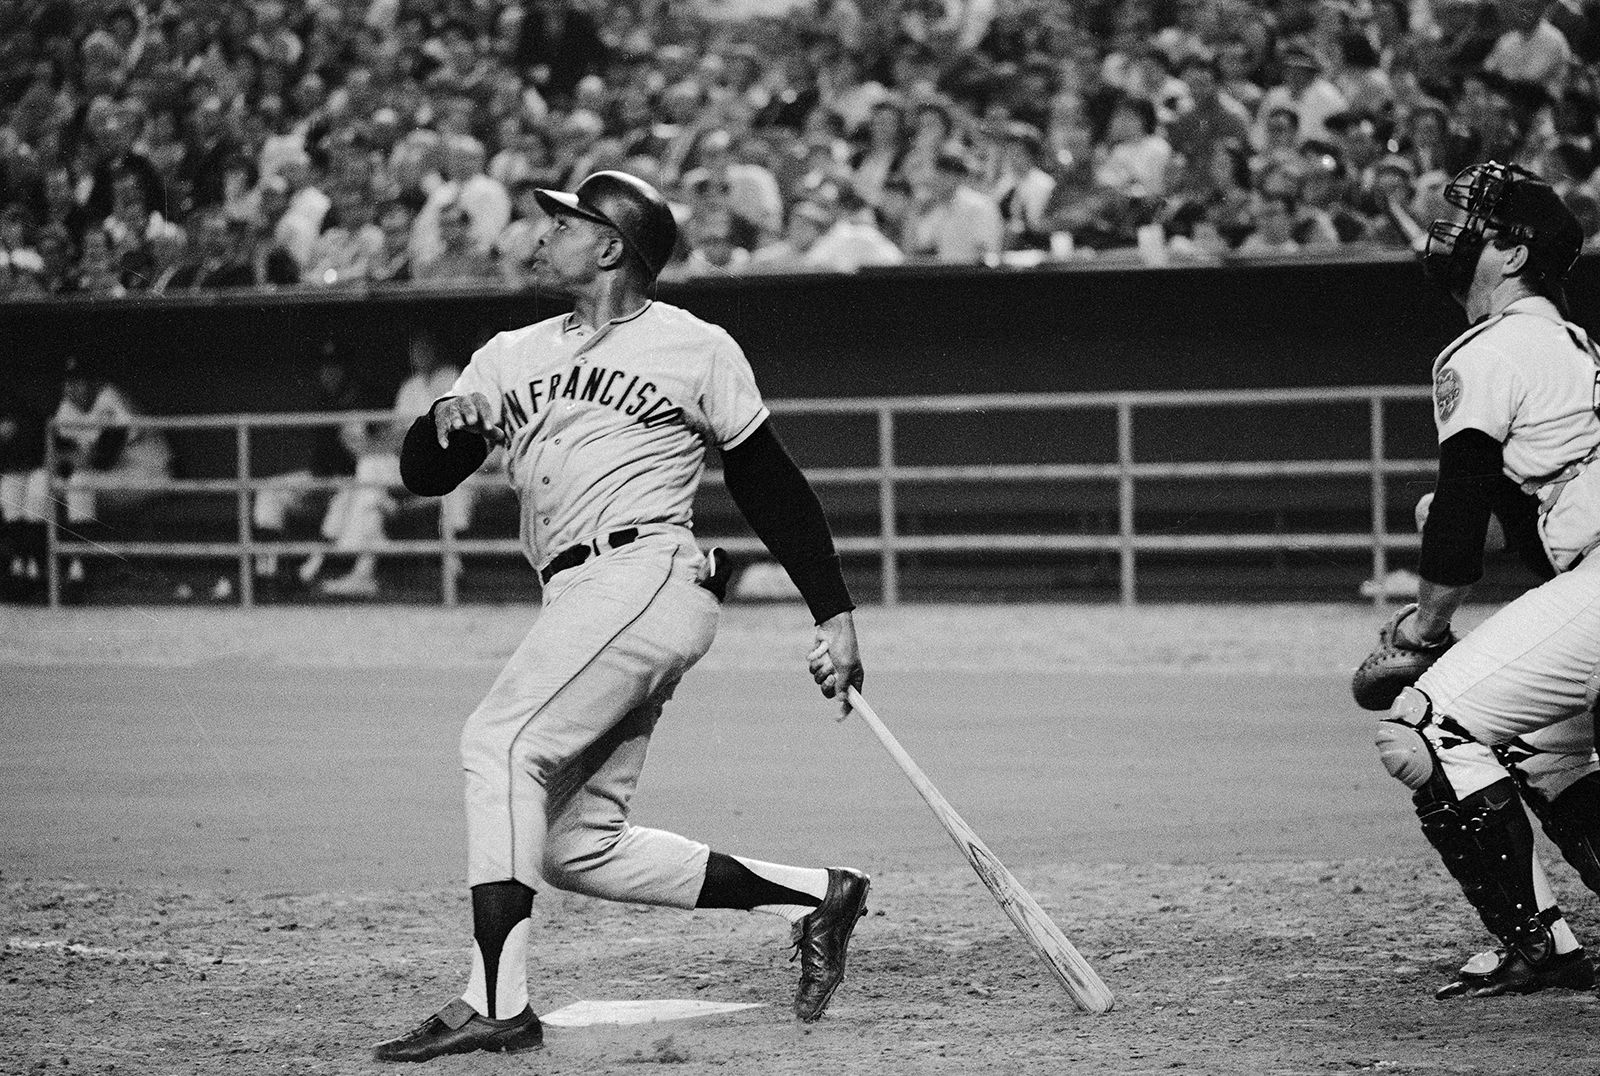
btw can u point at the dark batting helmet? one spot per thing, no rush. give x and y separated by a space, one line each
1505 202
627 203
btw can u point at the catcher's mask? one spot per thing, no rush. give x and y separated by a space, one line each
1505 202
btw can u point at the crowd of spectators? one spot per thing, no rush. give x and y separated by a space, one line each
169 145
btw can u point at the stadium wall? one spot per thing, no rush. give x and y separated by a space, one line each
910 331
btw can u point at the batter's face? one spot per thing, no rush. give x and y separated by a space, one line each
572 253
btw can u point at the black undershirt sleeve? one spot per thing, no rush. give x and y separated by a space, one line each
430 471
1472 486
782 508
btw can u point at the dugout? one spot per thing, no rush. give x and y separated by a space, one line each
910 331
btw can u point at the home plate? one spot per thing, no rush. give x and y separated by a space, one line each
590 1013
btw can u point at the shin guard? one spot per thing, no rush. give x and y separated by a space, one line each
1572 822
1487 846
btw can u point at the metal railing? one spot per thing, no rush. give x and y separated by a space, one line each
887 474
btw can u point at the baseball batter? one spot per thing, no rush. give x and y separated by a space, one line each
1505 716
606 415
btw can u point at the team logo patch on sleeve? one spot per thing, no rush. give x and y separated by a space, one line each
1446 393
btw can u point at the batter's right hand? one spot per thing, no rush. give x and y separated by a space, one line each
469 412
836 660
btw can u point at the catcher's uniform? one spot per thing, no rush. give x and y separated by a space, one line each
1523 684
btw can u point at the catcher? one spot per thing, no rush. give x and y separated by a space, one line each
1481 725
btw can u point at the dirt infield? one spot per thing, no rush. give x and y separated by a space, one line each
232 846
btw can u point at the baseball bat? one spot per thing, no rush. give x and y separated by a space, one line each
1088 990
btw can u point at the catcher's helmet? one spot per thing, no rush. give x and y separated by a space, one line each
628 204
1511 203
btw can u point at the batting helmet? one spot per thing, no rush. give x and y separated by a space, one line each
624 202
1512 203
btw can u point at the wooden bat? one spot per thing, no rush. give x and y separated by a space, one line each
1087 989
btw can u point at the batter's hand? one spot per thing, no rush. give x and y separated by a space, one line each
836 660
469 412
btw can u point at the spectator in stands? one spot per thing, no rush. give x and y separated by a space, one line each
99 267
209 151
105 459
61 208
306 212
1362 141
754 198
350 244
1424 138
1531 49
1133 162
467 188
1389 205
221 255
1274 226
1023 187
1304 89
952 221
1212 116
932 130
25 504
459 260
379 493
371 93
713 251
1494 128
1214 205
60 254
173 252
855 240
525 154
112 137
1325 219
559 43
22 268
392 264
807 223
1236 74
1360 76
128 230
879 148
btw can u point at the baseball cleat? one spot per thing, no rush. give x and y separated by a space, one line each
1498 972
458 1029
822 938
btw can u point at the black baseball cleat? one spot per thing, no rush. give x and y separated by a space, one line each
458 1029
821 939
1513 973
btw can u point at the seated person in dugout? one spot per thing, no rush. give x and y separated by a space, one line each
108 464
333 455
24 497
365 510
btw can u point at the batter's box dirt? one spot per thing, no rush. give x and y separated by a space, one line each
1238 968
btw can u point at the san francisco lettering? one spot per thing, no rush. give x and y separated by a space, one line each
639 399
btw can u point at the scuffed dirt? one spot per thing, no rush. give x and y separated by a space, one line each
1272 968
1224 967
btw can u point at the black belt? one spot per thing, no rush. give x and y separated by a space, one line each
572 556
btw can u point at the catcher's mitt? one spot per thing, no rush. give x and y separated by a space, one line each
1394 664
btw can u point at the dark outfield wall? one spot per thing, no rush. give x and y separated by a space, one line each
909 331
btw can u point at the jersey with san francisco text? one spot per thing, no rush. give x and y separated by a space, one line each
1531 380
608 428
